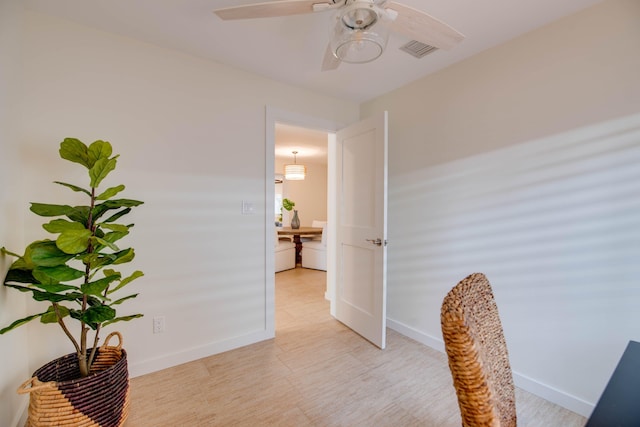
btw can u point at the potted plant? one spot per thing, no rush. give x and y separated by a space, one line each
75 275
288 204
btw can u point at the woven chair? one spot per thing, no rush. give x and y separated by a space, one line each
478 357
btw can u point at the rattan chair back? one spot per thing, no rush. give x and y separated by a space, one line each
477 352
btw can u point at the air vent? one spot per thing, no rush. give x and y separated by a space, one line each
417 49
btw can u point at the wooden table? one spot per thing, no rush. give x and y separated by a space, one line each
296 233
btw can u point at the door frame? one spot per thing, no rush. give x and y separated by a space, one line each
275 115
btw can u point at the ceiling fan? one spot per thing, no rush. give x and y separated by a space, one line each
359 27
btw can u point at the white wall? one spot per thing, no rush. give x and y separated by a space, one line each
512 163
191 134
309 195
13 345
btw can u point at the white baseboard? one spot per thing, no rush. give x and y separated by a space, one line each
414 334
544 391
178 358
553 395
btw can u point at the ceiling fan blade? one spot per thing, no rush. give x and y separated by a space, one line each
329 62
422 27
271 9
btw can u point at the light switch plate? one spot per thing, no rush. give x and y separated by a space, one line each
248 208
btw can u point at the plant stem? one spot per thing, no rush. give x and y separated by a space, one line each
96 337
82 356
84 362
64 327
95 346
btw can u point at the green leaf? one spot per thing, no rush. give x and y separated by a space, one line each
45 253
136 274
56 287
122 319
74 187
110 192
117 215
97 287
47 296
99 150
96 260
44 281
61 225
93 316
105 242
77 213
44 209
19 287
90 259
93 301
80 214
21 264
100 209
51 317
53 297
121 300
101 169
116 227
18 275
288 204
76 151
20 322
74 241
97 232
114 237
124 256
53 275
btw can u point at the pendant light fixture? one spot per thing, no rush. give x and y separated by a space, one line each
294 172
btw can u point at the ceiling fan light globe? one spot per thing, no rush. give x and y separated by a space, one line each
358 46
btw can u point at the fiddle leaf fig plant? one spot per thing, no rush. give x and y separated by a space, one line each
75 274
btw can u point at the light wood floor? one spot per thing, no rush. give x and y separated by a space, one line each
316 372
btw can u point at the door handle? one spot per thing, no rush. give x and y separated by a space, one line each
376 242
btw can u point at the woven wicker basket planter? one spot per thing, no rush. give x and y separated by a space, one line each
59 398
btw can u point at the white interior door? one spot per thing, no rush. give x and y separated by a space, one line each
361 228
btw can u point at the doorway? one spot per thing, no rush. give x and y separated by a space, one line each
356 208
306 148
273 117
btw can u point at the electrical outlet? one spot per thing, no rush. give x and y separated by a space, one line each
158 324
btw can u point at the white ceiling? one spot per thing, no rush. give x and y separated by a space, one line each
310 144
290 49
